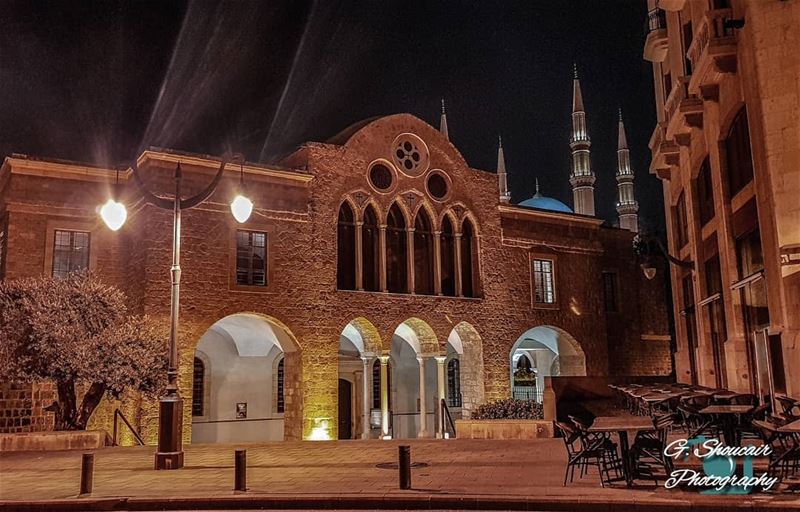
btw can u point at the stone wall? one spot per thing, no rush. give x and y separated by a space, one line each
22 407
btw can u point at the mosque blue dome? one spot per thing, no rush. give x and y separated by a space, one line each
546 203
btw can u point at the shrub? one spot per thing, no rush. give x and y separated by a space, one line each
509 409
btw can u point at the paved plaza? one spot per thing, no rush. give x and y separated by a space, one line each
472 474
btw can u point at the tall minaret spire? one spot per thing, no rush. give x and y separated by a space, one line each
627 207
502 177
581 176
443 123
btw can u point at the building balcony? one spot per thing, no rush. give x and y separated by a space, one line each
656 44
683 107
664 153
713 50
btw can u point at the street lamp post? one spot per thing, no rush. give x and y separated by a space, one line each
169 454
642 246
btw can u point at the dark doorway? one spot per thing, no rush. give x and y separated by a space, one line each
345 409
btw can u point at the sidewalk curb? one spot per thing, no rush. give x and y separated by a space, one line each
402 501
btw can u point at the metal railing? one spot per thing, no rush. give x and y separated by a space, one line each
656 20
448 423
527 393
118 414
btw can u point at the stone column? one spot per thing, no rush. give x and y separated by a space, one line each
441 395
457 238
359 258
382 257
385 397
410 260
365 385
437 262
423 415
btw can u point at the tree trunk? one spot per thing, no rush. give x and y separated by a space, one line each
90 402
65 409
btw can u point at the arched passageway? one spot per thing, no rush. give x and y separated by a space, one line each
359 344
541 352
246 371
413 380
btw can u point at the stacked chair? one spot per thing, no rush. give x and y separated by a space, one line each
586 449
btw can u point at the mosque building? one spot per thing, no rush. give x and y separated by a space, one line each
378 275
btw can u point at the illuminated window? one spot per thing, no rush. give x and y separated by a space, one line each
543 289
454 383
70 252
280 402
251 258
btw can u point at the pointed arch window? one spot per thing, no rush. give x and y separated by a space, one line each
198 387
454 383
423 254
468 260
448 258
396 251
280 403
346 249
370 250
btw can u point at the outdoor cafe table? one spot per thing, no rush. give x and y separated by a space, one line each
793 427
727 415
622 425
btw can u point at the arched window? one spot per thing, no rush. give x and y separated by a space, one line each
370 249
448 258
523 363
468 260
396 248
279 400
346 249
739 157
198 387
423 254
376 384
454 383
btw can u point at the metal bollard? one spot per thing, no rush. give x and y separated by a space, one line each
87 473
240 471
405 467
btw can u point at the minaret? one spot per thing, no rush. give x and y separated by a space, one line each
626 202
443 122
502 177
581 177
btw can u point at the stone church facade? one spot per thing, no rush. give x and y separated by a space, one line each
370 264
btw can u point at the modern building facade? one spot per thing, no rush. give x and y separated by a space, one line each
378 275
727 148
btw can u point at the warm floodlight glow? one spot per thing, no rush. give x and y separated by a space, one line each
321 432
241 208
113 214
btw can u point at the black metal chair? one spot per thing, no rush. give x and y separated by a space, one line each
580 454
648 448
784 459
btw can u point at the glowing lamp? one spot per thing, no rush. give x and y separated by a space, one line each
241 208
113 214
649 271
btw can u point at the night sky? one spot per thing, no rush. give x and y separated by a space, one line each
100 81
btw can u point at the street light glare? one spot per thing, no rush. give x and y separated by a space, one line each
241 208
113 214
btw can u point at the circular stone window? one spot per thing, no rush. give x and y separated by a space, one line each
437 186
380 177
410 154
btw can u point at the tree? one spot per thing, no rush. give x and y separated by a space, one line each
76 331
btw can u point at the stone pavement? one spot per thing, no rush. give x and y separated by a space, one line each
461 474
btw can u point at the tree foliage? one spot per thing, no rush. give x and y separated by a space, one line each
77 330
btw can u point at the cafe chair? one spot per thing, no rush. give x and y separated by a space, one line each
784 459
648 448
580 454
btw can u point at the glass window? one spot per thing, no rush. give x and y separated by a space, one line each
715 316
543 289
396 248
705 193
70 252
469 260
738 154
346 249
251 258
681 223
376 383
198 387
610 291
690 324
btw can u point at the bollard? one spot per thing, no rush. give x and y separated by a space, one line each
87 473
240 471
405 467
